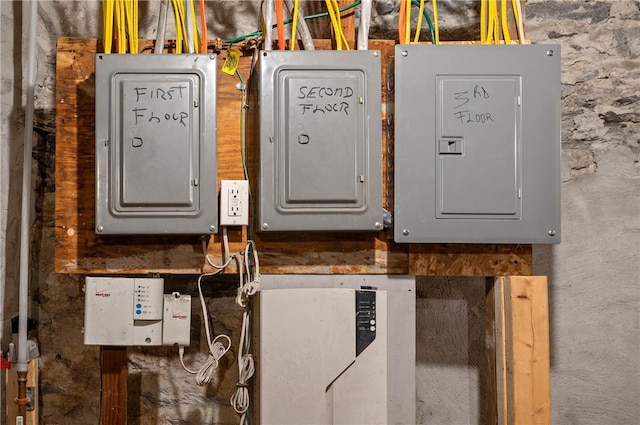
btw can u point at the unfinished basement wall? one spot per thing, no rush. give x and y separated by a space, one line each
594 275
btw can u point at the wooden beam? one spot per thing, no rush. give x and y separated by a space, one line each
113 407
491 405
520 394
469 260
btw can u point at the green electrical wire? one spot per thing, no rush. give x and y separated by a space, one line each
243 141
317 15
429 22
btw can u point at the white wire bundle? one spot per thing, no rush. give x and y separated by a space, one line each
246 368
216 348
267 13
303 29
246 365
365 22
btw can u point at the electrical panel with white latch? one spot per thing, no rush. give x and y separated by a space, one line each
477 143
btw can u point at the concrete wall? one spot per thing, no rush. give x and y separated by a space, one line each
594 274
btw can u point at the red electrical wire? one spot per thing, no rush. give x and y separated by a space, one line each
280 19
203 24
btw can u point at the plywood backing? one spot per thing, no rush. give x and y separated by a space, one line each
80 250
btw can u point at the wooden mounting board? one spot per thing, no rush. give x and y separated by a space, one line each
80 250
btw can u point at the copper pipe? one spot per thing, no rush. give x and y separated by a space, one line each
22 400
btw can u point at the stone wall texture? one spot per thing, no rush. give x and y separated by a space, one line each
594 274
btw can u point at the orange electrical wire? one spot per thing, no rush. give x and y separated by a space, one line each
402 18
280 19
203 24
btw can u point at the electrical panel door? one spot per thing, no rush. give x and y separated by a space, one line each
319 140
477 143
155 144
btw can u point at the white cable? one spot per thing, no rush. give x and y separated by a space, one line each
162 25
303 29
189 25
216 348
252 285
246 366
205 373
365 22
210 261
225 244
267 13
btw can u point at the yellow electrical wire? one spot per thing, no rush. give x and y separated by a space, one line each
416 38
505 23
136 25
407 23
334 25
519 20
493 31
119 27
294 25
123 30
183 25
179 24
336 9
489 35
496 22
196 36
334 14
128 14
108 24
483 21
436 30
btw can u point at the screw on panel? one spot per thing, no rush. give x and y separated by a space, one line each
99 229
212 57
265 226
405 232
212 228
376 54
552 232
549 52
378 225
405 53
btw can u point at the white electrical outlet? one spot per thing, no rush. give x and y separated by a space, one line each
234 202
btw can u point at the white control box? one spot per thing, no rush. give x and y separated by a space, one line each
123 311
147 293
176 324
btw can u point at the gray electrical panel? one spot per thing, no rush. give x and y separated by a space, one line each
477 143
156 144
319 139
